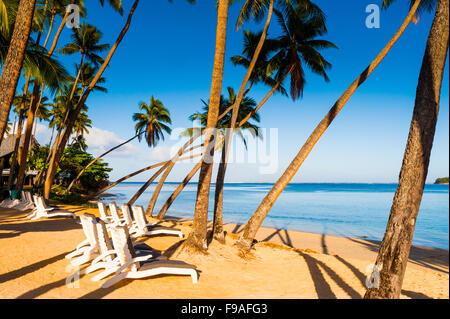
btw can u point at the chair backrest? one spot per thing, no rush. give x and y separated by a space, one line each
28 196
122 244
139 217
102 210
35 200
102 236
127 215
41 202
87 221
114 212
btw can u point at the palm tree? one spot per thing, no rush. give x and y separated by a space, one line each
85 41
394 249
14 60
246 239
197 238
152 123
261 72
246 107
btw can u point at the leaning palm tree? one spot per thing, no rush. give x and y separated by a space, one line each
57 154
394 250
245 241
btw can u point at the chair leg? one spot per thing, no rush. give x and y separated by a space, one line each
113 280
105 273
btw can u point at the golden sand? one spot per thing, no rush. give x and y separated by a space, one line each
285 264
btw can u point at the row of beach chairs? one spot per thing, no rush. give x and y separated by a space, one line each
26 202
37 205
119 255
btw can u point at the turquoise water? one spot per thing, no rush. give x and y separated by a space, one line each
349 210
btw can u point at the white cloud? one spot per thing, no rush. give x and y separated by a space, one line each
43 134
99 141
161 153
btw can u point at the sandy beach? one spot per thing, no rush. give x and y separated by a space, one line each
285 264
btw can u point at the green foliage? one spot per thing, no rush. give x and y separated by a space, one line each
37 157
74 160
442 180
70 199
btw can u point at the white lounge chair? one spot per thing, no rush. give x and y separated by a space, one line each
129 222
108 259
116 219
103 214
141 267
6 201
145 229
88 242
10 203
90 250
25 203
43 211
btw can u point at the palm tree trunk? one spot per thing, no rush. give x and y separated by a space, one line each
14 60
218 205
178 190
58 32
394 250
217 232
147 184
163 178
52 19
75 84
197 238
18 134
54 162
133 174
252 226
27 139
97 158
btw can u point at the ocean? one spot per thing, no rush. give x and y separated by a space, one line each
348 210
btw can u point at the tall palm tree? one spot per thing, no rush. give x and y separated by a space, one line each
151 124
197 238
14 60
394 250
246 239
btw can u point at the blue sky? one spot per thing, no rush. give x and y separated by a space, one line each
168 53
